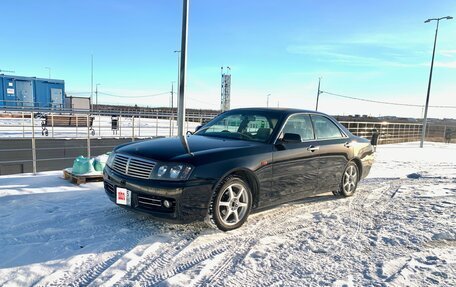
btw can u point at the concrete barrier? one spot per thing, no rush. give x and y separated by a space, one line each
16 155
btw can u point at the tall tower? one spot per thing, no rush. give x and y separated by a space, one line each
226 89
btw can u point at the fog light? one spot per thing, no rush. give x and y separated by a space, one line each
166 203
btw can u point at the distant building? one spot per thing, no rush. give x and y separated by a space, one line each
17 91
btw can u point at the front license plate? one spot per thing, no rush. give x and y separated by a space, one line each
123 196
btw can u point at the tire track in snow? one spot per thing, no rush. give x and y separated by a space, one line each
236 247
187 259
329 211
57 224
157 261
287 227
90 268
390 231
193 257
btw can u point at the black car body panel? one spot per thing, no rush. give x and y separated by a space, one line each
277 171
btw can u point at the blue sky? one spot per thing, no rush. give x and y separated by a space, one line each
378 50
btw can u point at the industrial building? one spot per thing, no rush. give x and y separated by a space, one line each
17 91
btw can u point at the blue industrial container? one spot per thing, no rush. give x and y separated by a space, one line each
16 91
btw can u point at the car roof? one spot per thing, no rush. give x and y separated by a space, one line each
285 111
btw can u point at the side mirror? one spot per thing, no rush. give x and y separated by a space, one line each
291 138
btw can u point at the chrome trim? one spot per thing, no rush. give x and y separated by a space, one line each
313 148
149 201
133 166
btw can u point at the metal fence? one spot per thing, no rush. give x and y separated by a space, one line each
32 141
39 140
397 132
102 124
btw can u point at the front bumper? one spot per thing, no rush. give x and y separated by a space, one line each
189 199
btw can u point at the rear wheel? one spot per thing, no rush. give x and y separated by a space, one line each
349 181
231 204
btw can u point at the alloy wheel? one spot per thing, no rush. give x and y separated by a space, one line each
350 179
233 204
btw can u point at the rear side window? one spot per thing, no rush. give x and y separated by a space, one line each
301 125
325 128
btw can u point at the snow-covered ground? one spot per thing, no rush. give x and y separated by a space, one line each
398 230
139 127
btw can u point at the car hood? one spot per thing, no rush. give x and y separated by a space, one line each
182 148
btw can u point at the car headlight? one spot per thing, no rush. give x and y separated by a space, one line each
172 171
110 160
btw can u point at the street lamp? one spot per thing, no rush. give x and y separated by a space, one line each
178 65
423 132
267 100
182 70
49 71
171 116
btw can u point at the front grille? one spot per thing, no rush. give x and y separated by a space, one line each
109 187
132 166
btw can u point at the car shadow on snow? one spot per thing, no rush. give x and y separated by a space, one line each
299 202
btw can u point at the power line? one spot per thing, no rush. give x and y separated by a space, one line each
386 103
142 96
118 96
200 101
78 93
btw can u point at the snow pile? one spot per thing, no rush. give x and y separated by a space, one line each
399 229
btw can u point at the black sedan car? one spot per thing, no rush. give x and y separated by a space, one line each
242 161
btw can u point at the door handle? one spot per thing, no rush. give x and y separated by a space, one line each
347 145
313 148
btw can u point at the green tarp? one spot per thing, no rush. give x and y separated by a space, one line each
84 165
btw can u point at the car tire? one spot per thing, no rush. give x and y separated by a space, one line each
349 181
231 204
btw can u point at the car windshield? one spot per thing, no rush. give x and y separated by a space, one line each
252 126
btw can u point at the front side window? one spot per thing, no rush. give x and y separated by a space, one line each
325 128
300 125
246 126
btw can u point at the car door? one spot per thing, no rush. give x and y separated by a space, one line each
295 164
334 152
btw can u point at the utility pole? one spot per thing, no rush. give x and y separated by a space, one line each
171 118
267 100
96 93
183 67
423 132
318 93
91 84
